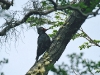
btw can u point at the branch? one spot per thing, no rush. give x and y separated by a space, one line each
6 4
31 12
17 23
58 45
89 39
55 5
88 66
61 40
78 10
74 72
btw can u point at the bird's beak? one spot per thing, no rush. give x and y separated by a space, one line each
46 29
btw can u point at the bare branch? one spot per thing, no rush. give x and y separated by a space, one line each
89 39
74 72
31 12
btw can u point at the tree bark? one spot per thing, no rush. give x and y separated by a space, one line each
63 37
59 43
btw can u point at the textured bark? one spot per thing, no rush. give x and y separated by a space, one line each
60 41
11 25
63 37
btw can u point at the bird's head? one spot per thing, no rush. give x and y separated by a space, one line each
41 30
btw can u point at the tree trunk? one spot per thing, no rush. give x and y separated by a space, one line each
63 37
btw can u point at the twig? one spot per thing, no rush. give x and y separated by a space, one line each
55 5
35 12
89 39
74 72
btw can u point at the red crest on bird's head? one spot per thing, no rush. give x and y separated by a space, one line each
41 30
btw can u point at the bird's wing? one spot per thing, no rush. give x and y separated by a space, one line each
41 41
40 47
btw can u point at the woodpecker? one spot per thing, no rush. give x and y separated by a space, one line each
43 42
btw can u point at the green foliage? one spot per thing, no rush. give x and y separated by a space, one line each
93 3
85 45
96 41
46 5
97 71
60 70
90 7
59 19
78 65
82 5
60 16
75 60
77 35
38 21
34 20
53 33
62 2
89 44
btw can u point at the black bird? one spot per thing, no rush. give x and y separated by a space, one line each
43 42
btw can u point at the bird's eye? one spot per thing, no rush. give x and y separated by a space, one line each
43 29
